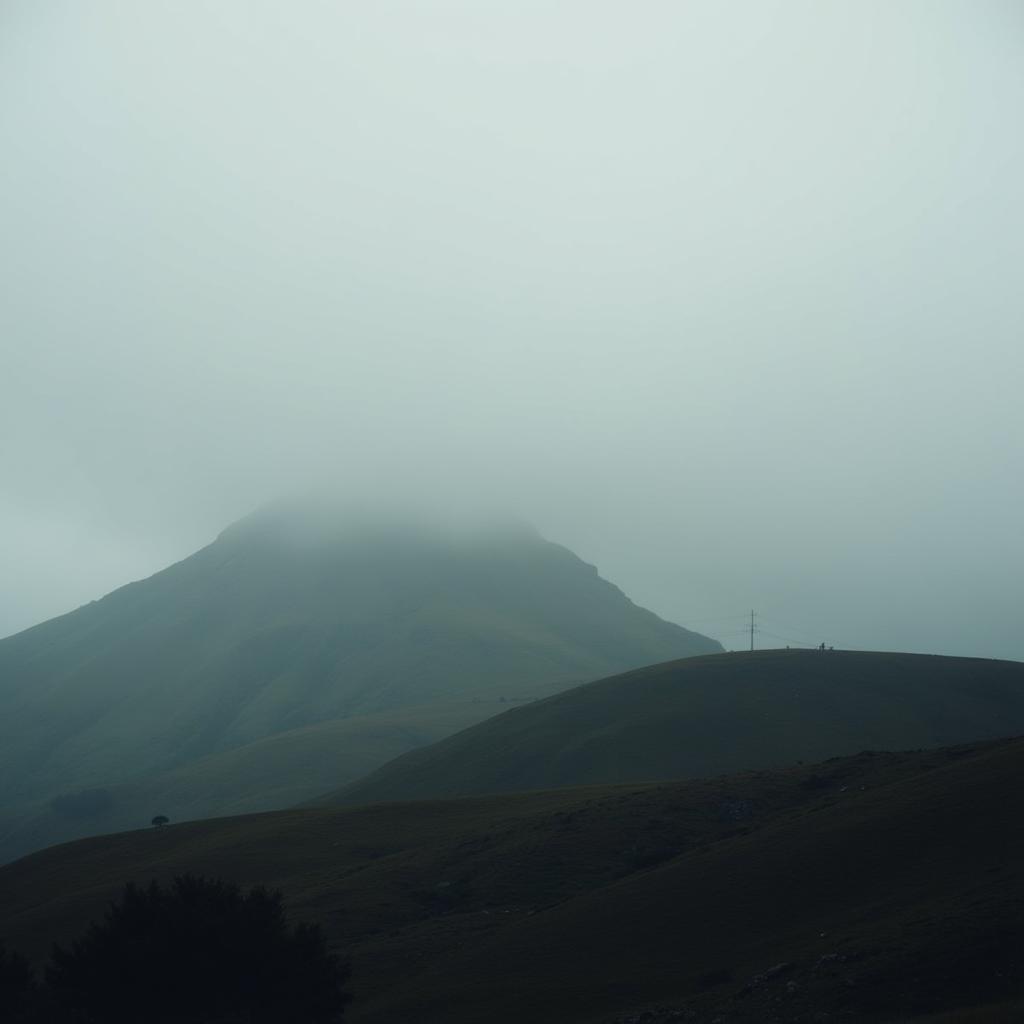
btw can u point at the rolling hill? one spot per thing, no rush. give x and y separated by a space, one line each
874 888
293 617
715 714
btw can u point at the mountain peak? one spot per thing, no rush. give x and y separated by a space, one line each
318 520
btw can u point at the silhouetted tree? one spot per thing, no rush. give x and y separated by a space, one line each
199 951
17 986
160 819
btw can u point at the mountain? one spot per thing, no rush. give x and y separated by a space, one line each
296 616
708 715
873 888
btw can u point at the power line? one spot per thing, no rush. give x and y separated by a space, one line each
751 630
789 639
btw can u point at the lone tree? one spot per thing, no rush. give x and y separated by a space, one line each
199 951
160 819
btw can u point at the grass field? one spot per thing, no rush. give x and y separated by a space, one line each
891 883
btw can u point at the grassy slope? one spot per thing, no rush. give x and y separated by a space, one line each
920 884
574 905
279 771
287 768
714 714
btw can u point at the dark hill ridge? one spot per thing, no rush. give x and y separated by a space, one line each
889 884
292 618
708 715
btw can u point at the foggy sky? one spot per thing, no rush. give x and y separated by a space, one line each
725 296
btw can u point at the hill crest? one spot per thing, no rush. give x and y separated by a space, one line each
713 714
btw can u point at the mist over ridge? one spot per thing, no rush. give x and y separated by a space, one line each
317 518
721 296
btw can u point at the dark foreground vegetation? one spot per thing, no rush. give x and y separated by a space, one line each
196 950
876 888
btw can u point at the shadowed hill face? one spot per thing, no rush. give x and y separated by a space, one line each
891 884
287 621
906 899
714 714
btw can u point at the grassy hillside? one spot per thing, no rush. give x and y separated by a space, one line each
912 893
892 884
280 771
284 623
714 714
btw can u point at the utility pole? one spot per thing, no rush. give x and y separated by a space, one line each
751 628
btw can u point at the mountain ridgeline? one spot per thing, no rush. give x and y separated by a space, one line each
292 620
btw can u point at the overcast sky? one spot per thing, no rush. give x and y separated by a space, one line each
726 296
